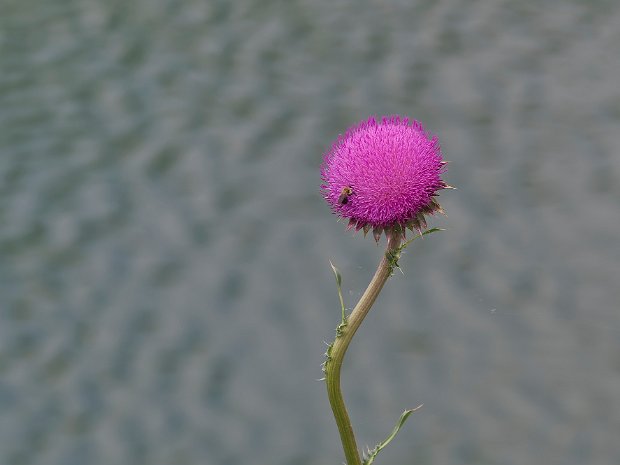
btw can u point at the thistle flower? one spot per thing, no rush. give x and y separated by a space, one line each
384 175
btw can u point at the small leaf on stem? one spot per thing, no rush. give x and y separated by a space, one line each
370 456
338 276
336 273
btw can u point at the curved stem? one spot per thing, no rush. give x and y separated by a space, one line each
338 349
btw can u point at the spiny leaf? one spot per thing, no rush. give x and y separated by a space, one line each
370 457
399 250
336 273
394 255
428 231
338 276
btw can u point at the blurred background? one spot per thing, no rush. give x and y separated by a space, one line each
165 287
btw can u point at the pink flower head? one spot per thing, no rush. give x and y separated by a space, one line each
384 175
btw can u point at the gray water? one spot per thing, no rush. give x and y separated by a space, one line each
165 287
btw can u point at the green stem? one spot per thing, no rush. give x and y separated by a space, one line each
341 343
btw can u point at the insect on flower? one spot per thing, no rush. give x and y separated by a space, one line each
384 174
345 193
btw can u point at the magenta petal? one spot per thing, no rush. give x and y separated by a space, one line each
383 173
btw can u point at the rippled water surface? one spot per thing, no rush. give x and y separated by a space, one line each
165 289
